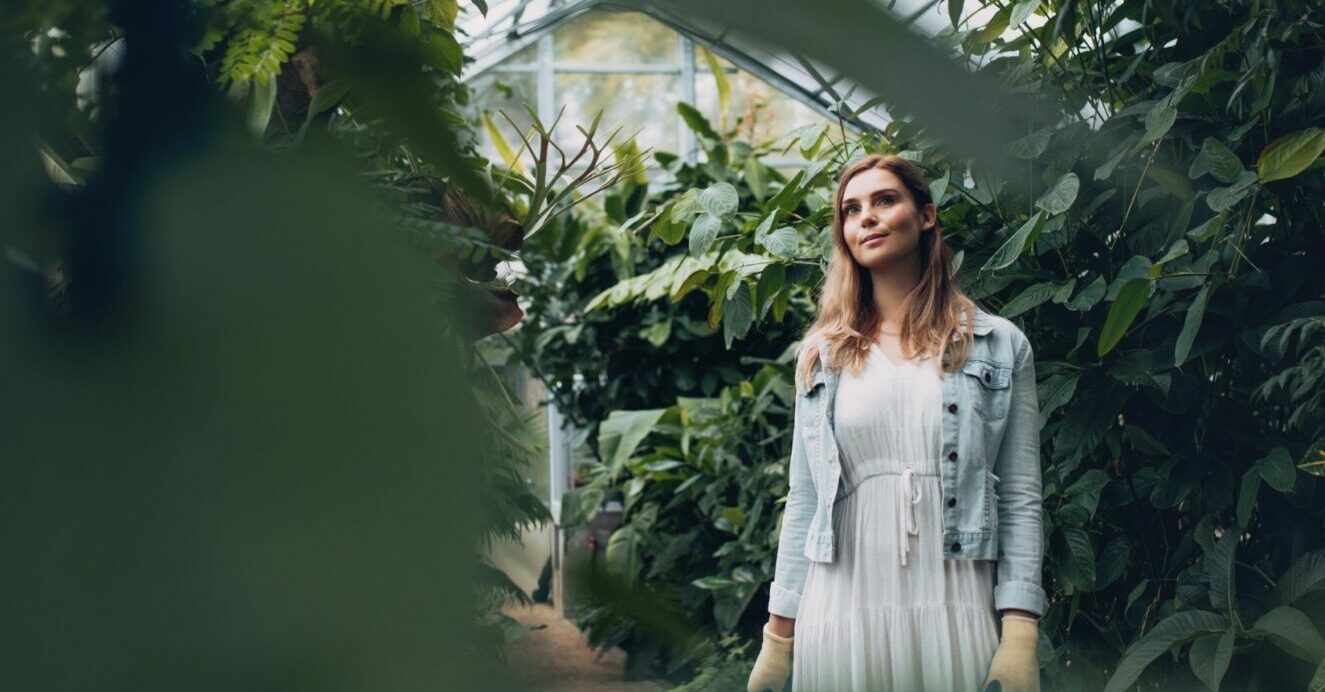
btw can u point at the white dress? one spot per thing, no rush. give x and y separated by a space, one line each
890 613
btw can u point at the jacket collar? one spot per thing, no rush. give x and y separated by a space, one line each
982 325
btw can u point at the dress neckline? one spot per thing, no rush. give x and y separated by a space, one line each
905 362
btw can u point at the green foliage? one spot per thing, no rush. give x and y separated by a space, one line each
699 528
263 39
392 100
617 298
1156 244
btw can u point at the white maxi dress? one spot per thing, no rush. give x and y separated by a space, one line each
890 613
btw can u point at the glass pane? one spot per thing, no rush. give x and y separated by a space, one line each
603 39
758 112
493 91
644 102
524 56
702 54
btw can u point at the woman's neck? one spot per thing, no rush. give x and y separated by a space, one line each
890 287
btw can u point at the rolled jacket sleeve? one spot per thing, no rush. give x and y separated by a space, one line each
792 564
1020 505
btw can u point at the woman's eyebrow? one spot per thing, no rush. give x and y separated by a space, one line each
876 193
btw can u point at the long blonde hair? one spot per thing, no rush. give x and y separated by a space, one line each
847 317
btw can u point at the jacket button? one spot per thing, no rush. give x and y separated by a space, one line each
956 547
952 408
952 456
952 502
987 377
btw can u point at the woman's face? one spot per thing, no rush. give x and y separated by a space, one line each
880 222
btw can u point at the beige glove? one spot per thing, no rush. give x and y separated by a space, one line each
1015 664
773 664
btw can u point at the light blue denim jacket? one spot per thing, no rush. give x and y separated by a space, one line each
990 463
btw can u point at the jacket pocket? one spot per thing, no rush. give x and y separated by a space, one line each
988 385
991 503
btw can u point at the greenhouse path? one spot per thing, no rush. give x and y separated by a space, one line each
558 658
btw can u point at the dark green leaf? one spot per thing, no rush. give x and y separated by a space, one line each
1090 481
1080 557
1144 442
1060 197
1291 154
1305 576
1089 296
1277 469
955 12
1210 657
1030 146
1291 630
738 314
623 432
1059 390
1131 298
697 122
623 553
1191 324
1012 248
1177 628
1031 297
1223 198
1247 494
1219 566
771 281
1159 120
1112 562
1220 160
756 177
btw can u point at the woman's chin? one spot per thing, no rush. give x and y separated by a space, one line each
878 261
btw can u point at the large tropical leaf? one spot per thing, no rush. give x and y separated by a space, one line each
1291 630
1176 629
1291 154
621 434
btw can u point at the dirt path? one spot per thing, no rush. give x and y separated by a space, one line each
558 658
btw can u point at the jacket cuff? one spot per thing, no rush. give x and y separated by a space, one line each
783 602
1020 595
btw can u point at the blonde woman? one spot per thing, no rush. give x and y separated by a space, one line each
911 540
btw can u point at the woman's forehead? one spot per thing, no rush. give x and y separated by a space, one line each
871 180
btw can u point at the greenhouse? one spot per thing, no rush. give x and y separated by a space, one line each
667 344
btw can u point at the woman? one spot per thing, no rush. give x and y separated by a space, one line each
914 511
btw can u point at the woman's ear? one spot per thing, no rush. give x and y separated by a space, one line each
928 217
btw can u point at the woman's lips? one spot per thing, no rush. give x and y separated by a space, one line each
872 238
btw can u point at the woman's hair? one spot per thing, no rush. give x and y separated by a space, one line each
847 318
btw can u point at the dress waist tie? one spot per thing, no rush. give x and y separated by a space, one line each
910 498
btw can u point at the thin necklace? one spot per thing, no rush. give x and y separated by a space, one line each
891 333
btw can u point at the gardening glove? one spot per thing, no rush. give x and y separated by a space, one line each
1015 665
773 664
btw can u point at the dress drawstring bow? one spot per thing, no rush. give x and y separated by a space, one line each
910 498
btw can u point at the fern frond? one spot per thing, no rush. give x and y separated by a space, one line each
264 40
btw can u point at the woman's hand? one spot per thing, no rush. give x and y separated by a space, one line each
1016 666
773 664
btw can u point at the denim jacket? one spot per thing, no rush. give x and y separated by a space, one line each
990 464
